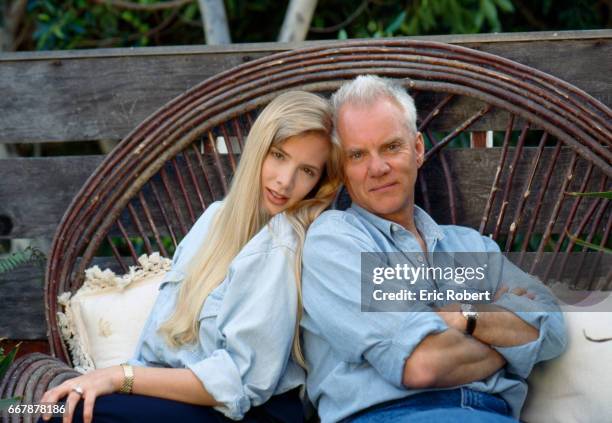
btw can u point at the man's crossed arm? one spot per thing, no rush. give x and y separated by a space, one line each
451 358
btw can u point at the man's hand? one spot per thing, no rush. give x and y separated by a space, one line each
516 291
452 315
495 325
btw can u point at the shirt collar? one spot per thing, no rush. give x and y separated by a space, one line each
423 221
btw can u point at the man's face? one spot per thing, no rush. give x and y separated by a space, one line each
381 157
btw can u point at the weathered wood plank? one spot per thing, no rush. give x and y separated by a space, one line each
22 315
32 203
103 94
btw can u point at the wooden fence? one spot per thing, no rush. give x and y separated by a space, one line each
93 95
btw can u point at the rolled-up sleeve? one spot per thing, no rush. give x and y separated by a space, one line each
331 284
256 322
542 312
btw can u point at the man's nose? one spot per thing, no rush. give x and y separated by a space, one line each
378 166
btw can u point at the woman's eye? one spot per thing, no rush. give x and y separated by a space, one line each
309 171
356 155
276 154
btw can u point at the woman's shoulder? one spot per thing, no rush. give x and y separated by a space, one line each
276 235
202 224
211 210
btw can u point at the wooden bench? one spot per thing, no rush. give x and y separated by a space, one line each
549 137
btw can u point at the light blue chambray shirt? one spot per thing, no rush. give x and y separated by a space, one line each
247 323
356 359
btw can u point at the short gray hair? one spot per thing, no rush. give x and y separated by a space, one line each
365 89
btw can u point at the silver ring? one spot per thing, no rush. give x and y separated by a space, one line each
77 389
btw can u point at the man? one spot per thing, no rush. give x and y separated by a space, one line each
438 361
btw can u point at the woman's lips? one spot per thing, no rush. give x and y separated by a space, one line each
275 198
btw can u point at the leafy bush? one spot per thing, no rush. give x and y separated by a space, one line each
5 362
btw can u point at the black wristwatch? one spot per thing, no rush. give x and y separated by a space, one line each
471 315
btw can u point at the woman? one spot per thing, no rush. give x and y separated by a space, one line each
223 331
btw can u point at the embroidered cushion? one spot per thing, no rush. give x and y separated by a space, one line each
102 321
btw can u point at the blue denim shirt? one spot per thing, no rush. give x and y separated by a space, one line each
356 359
247 323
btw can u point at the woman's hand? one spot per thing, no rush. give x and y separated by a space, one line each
92 385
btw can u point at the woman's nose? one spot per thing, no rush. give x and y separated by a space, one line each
284 180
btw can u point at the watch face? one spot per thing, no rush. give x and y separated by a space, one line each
469 310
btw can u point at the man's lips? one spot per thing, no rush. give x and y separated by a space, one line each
275 198
384 187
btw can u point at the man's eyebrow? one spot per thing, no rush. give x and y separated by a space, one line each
392 141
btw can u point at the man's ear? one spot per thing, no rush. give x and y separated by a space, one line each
419 147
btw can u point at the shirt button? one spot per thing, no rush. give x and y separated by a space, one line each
420 258
395 228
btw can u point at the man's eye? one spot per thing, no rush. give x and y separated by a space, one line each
393 147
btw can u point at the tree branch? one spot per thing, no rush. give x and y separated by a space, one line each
110 41
297 20
344 23
214 20
13 19
122 4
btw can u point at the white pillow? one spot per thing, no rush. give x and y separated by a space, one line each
577 386
102 321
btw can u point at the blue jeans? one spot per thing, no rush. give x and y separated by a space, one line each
456 405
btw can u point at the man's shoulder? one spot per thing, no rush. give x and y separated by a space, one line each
335 221
335 228
469 238
457 230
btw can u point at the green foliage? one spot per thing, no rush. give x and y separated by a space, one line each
387 19
559 15
607 195
19 258
71 24
590 245
7 359
84 24
5 362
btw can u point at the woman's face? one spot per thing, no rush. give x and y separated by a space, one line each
291 169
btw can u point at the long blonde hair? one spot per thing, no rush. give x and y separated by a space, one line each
242 215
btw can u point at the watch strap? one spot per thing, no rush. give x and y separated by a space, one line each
470 326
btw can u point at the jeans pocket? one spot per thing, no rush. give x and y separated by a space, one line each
471 399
